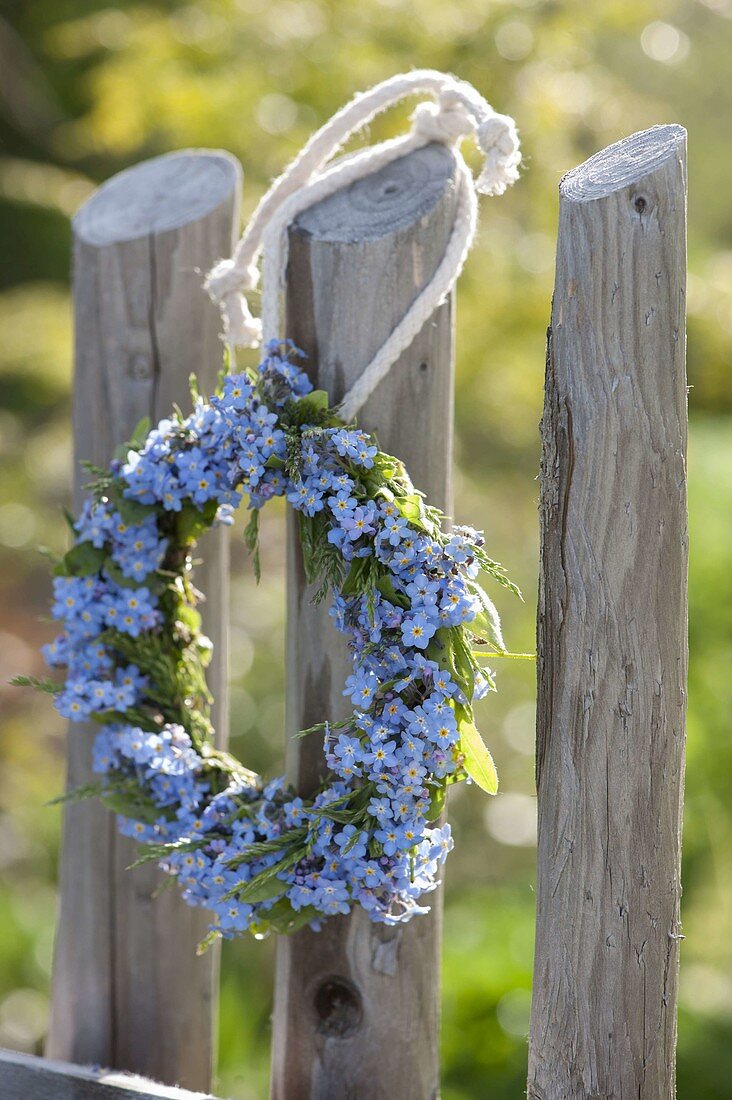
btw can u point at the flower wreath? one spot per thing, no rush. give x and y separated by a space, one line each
405 594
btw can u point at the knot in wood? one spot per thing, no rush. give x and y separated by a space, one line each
338 1007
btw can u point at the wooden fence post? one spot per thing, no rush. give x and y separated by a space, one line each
128 990
357 1005
612 631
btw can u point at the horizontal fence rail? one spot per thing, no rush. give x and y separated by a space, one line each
23 1077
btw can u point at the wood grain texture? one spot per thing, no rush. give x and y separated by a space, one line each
612 633
357 1005
24 1077
128 990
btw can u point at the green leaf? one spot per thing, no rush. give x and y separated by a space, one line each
264 847
464 662
77 794
495 570
132 512
251 531
319 727
50 687
488 615
113 571
322 561
345 817
283 918
353 583
192 521
225 762
208 941
386 587
129 806
267 884
251 541
137 442
478 762
440 649
188 617
506 655
452 652
149 853
263 891
351 844
284 921
410 507
437 803
317 400
84 559
141 431
387 465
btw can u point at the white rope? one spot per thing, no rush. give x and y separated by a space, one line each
459 110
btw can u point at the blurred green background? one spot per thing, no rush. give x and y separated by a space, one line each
86 90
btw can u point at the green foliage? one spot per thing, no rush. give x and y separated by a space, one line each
438 798
251 541
477 760
192 521
451 650
322 561
130 511
266 884
82 560
78 794
46 685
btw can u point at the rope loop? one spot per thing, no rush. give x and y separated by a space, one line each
446 121
456 111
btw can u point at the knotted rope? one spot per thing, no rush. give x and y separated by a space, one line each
459 110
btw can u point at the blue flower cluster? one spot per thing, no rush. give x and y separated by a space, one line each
403 590
87 606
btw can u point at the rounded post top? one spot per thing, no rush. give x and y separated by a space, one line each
626 162
394 197
160 194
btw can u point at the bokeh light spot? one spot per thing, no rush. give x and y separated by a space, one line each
664 42
511 819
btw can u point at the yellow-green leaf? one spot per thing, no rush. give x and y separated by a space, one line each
478 762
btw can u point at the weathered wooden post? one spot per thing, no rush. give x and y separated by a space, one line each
356 1006
612 631
128 989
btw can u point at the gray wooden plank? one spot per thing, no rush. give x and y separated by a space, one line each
612 631
357 1005
128 989
25 1077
